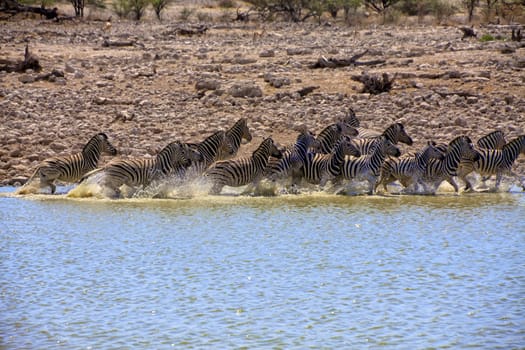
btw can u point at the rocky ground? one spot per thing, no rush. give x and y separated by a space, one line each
166 86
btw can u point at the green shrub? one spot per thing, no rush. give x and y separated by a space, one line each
486 37
186 13
227 4
121 7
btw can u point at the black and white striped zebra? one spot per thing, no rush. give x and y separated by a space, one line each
497 162
210 148
330 135
171 161
73 167
243 171
351 119
394 133
235 135
368 167
438 170
292 159
408 170
494 140
321 168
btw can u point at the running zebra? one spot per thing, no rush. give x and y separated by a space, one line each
73 167
293 159
210 149
368 167
408 170
438 171
495 141
243 171
394 133
321 168
170 161
235 134
496 162
351 119
330 135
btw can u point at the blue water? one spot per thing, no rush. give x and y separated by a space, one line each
290 272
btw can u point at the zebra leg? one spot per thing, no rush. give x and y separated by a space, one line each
499 177
454 184
216 189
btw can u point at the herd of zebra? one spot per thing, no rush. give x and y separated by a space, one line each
340 154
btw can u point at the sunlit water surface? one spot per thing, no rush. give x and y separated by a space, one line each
317 271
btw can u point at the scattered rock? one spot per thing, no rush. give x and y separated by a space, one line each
245 90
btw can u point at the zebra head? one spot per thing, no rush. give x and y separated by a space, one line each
432 151
269 148
100 144
386 146
307 138
245 131
351 119
396 133
346 129
192 153
348 147
463 145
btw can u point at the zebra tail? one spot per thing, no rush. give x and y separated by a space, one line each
89 174
24 188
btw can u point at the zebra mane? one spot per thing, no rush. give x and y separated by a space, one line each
351 119
519 141
93 141
460 139
169 147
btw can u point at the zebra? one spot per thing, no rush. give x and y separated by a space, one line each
493 140
351 119
408 170
320 168
394 133
242 171
368 167
330 135
496 162
171 160
210 148
235 134
73 167
439 170
293 159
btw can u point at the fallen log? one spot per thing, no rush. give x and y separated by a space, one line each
192 31
13 8
112 43
324 62
374 84
306 90
29 62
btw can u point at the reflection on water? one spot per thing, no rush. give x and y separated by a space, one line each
283 272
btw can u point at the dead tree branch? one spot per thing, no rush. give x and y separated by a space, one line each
13 8
324 62
374 84
29 62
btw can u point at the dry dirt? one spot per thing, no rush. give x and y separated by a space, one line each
149 94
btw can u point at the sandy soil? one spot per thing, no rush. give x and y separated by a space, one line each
167 86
